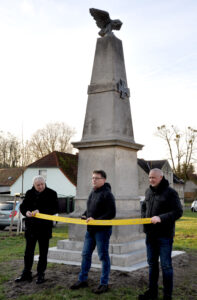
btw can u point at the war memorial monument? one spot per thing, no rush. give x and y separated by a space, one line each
107 143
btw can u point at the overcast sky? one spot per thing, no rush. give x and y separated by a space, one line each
46 56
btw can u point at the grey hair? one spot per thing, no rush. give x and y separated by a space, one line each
159 171
38 178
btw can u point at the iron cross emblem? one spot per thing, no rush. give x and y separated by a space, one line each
122 89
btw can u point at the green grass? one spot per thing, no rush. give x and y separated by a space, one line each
186 232
62 294
12 248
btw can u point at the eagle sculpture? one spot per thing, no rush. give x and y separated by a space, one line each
104 22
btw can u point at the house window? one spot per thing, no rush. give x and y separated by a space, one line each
43 173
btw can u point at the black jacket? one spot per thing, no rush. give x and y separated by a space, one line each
164 202
100 206
46 203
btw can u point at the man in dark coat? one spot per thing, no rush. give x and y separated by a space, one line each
100 206
163 206
40 199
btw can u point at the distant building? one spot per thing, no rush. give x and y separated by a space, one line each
191 187
144 167
59 170
8 177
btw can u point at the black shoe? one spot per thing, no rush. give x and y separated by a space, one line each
40 279
24 277
148 295
78 285
102 288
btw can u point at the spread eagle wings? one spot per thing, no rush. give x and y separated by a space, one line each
101 17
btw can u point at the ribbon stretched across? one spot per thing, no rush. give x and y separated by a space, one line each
115 222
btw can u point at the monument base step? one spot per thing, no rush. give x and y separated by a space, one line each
121 254
115 248
122 260
132 268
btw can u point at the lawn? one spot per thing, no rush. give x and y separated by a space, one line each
186 232
12 251
12 247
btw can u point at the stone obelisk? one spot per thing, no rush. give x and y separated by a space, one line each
108 143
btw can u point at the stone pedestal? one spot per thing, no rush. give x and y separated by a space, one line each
108 143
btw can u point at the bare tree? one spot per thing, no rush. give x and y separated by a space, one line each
26 154
181 148
10 153
53 137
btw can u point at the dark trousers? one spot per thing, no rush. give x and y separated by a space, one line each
160 248
43 243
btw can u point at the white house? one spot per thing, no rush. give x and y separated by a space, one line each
59 170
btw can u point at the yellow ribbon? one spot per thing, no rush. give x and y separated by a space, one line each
115 222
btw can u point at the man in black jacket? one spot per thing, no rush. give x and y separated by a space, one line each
40 199
100 206
162 205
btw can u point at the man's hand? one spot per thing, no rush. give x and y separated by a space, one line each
35 212
30 214
89 219
155 220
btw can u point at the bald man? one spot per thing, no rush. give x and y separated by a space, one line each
163 206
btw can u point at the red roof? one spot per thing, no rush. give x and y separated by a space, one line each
9 175
66 162
48 161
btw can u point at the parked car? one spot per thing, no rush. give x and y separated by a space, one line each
142 198
6 211
194 206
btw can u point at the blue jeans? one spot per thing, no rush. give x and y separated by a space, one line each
101 240
160 247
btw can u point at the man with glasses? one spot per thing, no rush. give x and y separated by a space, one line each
100 206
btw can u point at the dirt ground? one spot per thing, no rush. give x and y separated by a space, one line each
185 278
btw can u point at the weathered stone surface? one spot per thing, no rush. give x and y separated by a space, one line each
107 115
121 248
108 143
120 163
123 255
